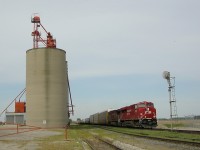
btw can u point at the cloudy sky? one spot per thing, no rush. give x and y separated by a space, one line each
116 50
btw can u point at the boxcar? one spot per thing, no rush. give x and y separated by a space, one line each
96 118
87 120
91 119
103 117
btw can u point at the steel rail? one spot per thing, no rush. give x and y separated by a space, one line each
108 143
157 129
89 144
157 138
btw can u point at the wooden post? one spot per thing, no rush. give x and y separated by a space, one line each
17 128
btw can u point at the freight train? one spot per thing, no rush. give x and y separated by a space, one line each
142 114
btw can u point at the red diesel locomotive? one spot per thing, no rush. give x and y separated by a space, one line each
142 114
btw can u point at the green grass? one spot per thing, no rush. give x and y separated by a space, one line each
75 134
160 134
59 141
174 125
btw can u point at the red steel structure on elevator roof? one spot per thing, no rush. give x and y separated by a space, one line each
49 42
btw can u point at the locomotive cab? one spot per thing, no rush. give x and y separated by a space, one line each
146 114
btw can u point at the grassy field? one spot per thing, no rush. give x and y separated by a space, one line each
77 133
189 123
75 136
52 139
161 134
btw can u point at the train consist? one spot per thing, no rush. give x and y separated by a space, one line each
142 114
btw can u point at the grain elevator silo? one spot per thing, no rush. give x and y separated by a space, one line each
46 82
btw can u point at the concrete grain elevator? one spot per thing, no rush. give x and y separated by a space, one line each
47 96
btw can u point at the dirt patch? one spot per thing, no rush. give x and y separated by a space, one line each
27 138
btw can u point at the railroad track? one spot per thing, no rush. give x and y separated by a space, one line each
98 144
88 143
109 143
156 138
159 129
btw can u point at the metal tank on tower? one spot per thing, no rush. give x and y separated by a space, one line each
47 87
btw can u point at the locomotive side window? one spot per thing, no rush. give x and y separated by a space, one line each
123 111
150 105
135 106
141 105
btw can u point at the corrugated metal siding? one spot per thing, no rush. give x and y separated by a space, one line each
96 118
10 119
103 117
92 119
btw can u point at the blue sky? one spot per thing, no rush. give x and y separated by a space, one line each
116 51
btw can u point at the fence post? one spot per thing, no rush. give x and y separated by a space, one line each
17 128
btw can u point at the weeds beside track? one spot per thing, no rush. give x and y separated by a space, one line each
168 136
